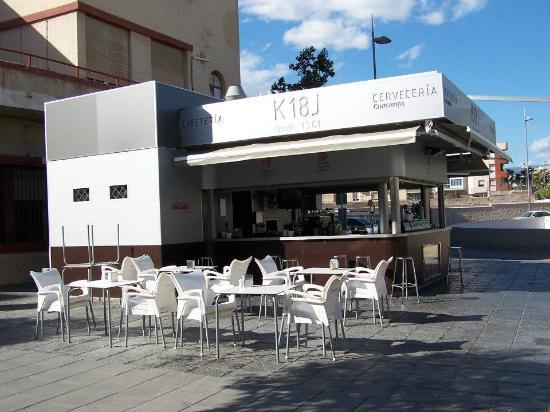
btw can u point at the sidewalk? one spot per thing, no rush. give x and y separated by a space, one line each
485 347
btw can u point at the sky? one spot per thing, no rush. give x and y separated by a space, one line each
485 47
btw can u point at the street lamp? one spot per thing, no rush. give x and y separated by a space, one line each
376 40
525 120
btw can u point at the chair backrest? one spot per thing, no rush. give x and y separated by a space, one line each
331 296
128 268
381 267
267 265
164 291
141 263
190 281
237 270
46 278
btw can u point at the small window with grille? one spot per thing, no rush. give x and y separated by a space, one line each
81 194
118 191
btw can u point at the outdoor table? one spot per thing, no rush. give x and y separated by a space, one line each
186 269
270 290
321 271
105 286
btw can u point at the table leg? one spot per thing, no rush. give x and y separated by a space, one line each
104 311
109 310
68 317
217 327
275 304
242 319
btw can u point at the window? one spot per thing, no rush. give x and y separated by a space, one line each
81 194
492 168
481 183
216 85
455 183
118 192
501 167
23 205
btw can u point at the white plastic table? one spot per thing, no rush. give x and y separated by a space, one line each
105 286
321 271
270 290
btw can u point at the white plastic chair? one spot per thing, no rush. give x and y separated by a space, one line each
364 283
156 298
127 271
270 276
230 276
318 305
52 297
195 302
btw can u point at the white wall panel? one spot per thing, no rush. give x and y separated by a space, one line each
138 215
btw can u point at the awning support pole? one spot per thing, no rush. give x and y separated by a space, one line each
441 206
425 199
383 208
395 206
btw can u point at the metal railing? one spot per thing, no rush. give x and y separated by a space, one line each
63 68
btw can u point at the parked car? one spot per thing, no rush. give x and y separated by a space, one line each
533 213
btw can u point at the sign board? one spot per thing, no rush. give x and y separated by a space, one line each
335 108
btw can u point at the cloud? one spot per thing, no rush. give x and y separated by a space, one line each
434 18
410 55
335 34
257 79
541 147
345 24
464 7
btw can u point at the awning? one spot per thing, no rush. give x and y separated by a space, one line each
300 147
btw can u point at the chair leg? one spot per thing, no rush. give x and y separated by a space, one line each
120 321
336 329
200 338
344 336
356 308
415 283
173 327
92 313
260 307
87 320
323 338
143 325
330 341
233 330
61 316
379 312
238 323
58 321
281 329
176 335
41 323
156 331
298 335
181 332
373 314
345 307
162 332
150 327
206 331
265 307
287 336
37 323
305 333
126 329
388 305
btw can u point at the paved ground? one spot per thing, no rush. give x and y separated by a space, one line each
485 346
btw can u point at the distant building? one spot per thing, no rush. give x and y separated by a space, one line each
498 176
52 49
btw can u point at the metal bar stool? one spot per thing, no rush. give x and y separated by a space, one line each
205 261
363 261
289 263
404 284
458 255
342 260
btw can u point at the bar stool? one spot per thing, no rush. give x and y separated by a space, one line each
205 261
363 261
342 260
289 263
404 285
277 260
458 250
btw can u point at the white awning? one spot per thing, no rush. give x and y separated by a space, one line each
300 147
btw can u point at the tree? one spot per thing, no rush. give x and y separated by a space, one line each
313 68
541 183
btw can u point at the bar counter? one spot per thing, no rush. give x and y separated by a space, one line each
315 251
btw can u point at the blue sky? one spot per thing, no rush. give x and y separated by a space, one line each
486 47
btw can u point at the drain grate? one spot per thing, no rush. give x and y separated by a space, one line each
542 341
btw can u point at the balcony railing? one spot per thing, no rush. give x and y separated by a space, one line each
62 68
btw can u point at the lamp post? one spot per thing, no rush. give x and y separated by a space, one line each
376 40
525 120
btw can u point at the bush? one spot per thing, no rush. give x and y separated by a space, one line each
544 193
